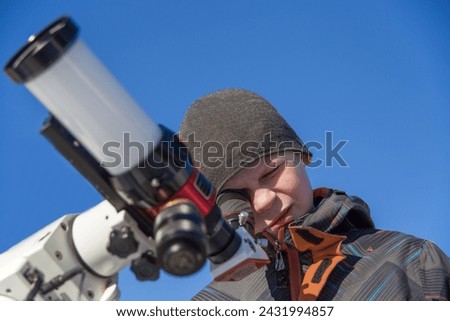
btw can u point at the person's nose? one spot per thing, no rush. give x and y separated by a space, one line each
263 200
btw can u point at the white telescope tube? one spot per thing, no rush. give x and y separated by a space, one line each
88 100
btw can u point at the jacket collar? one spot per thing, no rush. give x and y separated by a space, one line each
336 212
321 233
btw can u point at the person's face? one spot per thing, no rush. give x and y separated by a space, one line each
278 188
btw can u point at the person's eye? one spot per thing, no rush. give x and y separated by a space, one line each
271 173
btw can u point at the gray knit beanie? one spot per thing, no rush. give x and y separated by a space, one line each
230 129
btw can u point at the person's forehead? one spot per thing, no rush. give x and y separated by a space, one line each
254 170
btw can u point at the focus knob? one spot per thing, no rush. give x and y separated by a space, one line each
122 242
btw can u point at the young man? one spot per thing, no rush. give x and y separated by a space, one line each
323 243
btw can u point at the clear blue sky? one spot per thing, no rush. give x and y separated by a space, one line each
374 73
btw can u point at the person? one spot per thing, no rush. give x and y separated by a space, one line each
322 243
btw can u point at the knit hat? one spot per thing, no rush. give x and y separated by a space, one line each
230 129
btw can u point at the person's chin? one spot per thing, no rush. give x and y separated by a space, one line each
282 221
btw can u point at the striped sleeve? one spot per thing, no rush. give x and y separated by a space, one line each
434 272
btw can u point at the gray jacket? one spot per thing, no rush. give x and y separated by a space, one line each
336 253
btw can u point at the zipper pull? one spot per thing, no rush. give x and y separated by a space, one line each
279 261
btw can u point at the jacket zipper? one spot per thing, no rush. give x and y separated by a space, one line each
279 261
294 271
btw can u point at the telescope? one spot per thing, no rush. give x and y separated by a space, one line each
159 211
